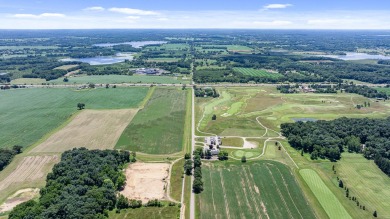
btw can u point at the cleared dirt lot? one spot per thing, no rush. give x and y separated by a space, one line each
26 172
146 181
20 196
93 129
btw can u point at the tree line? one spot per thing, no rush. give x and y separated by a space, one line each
6 155
328 139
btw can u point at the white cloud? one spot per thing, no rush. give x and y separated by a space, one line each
133 17
94 8
331 21
272 23
132 11
163 19
276 6
43 15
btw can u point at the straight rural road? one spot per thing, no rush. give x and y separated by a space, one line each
192 201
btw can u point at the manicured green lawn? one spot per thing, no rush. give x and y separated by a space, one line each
28 114
327 199
159 127
254 190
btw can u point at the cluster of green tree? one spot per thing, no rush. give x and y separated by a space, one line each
197 185
288 89
327 139
323 88
82 185
14 86
6 155
5 77
363 90
384 62
333 71
106 70
181 66
223 155
124 203
206 92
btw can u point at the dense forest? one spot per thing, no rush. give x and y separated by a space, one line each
82 185
328 139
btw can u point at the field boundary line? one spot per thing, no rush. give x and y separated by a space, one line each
147 97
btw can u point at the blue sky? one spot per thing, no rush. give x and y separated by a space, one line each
260 14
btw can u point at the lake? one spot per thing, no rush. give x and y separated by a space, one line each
102 60
357 56
135 44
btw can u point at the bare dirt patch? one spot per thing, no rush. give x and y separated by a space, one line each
92 129
30 172
19 197
146 181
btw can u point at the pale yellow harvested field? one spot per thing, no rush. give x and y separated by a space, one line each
92 129
146 181
28 172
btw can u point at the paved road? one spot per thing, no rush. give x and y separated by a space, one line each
192 201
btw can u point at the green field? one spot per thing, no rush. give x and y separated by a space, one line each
328 200
118 79
159 127
176 180
366 182
257 72
28 114
255 190
384 90
167 212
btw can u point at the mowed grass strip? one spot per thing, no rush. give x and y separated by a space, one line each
263 189
147 213
159 127
327 199
257 72
28 114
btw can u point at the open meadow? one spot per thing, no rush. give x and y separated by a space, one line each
92 129
262 189
28 114
158 128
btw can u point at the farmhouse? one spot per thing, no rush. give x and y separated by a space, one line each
212 144
149 71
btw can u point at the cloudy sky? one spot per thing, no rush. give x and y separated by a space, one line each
242 14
